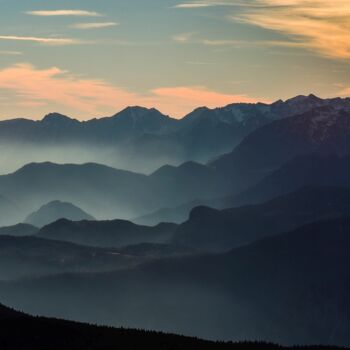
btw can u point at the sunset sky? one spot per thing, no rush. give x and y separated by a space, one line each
92 58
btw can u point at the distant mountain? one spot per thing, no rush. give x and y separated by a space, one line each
190 178
32 257
291 289
55 127
324 130
54 211
141 139
39 333
8 211
311 170
308 170
116 233
19 230
108 193
175 215
213 131
214 230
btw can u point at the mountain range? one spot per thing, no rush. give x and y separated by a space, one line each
142 140
321 131
219 230
291 288
116 233
312 170
229 224
104 192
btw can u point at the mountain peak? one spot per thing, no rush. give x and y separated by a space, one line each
138 112
304 98
56 210
55 118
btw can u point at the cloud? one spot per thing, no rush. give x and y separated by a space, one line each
10 53
183 37
47 13
183 99
204 4
192 5
96 25
345 92
316 25
41 89
44 41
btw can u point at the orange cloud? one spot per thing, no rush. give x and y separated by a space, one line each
184 99
44 89
318 25
345 92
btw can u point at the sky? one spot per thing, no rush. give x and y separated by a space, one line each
92 58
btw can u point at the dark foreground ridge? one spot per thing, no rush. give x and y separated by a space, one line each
20 331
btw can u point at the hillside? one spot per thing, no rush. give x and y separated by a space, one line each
115 233
38 333
54 211
304 276
217 230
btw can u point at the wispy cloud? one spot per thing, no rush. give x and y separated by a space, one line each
183 99
10 53
183 37
96 25
44 41
317 25
77 13
204 3
345 92
187 38
34 87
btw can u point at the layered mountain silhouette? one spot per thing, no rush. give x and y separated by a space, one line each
214 230
323 131
302 171
240 226
308 170
31 257
291 289
142 140
175 215
54 211
116 233
108 193
19 230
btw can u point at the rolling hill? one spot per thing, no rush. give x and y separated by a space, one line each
219 230
115 233
290 289
54 211
39 333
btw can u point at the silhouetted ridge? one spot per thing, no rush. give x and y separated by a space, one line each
142 139
292 288
114 233
39 333
219 230
57 118
19 230
56 210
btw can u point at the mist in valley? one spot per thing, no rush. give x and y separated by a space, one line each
13 156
